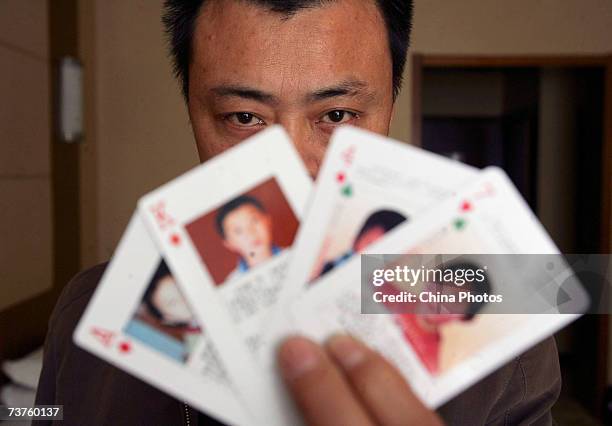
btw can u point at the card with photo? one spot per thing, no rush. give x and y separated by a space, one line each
368 185
229 246
442 349
243 244
152 332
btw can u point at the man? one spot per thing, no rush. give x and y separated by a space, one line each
246 230
309 65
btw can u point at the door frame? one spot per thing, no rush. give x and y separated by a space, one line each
23 326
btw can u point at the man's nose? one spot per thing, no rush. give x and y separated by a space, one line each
300 133
304 137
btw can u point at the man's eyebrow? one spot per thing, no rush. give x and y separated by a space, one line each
346 88
244 92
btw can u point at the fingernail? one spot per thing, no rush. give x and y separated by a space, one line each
297 356
346 350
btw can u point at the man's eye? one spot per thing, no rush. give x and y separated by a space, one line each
244 119
338 117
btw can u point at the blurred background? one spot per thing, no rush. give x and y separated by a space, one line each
91 118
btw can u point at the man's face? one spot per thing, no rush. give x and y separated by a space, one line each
310 72
248 232
368 238
435 314
170 302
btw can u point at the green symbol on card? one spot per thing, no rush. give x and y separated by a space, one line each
347 190
460 224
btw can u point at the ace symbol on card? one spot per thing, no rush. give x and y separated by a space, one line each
103 336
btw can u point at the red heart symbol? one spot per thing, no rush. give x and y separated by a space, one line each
175 239
340 177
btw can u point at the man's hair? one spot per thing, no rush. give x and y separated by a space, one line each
385 219
179 19
233 205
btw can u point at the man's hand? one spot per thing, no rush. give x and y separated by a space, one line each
346 383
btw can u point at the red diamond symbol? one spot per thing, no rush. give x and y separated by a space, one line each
125 347
175 239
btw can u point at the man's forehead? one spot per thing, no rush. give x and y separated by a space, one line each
249 42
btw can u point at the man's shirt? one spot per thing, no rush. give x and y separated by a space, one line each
243 267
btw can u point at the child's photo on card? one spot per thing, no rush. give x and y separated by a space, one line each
164 320
244 233
351 231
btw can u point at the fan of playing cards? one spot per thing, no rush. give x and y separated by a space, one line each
217 266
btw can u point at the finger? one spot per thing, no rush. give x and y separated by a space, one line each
379 385
317 386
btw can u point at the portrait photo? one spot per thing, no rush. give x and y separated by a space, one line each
356 223
244 232
164 320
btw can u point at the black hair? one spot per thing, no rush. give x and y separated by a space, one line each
161 272
233 205
179 19
385 219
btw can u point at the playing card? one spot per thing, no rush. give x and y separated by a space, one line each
368 184
139 321
226 229
442 354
